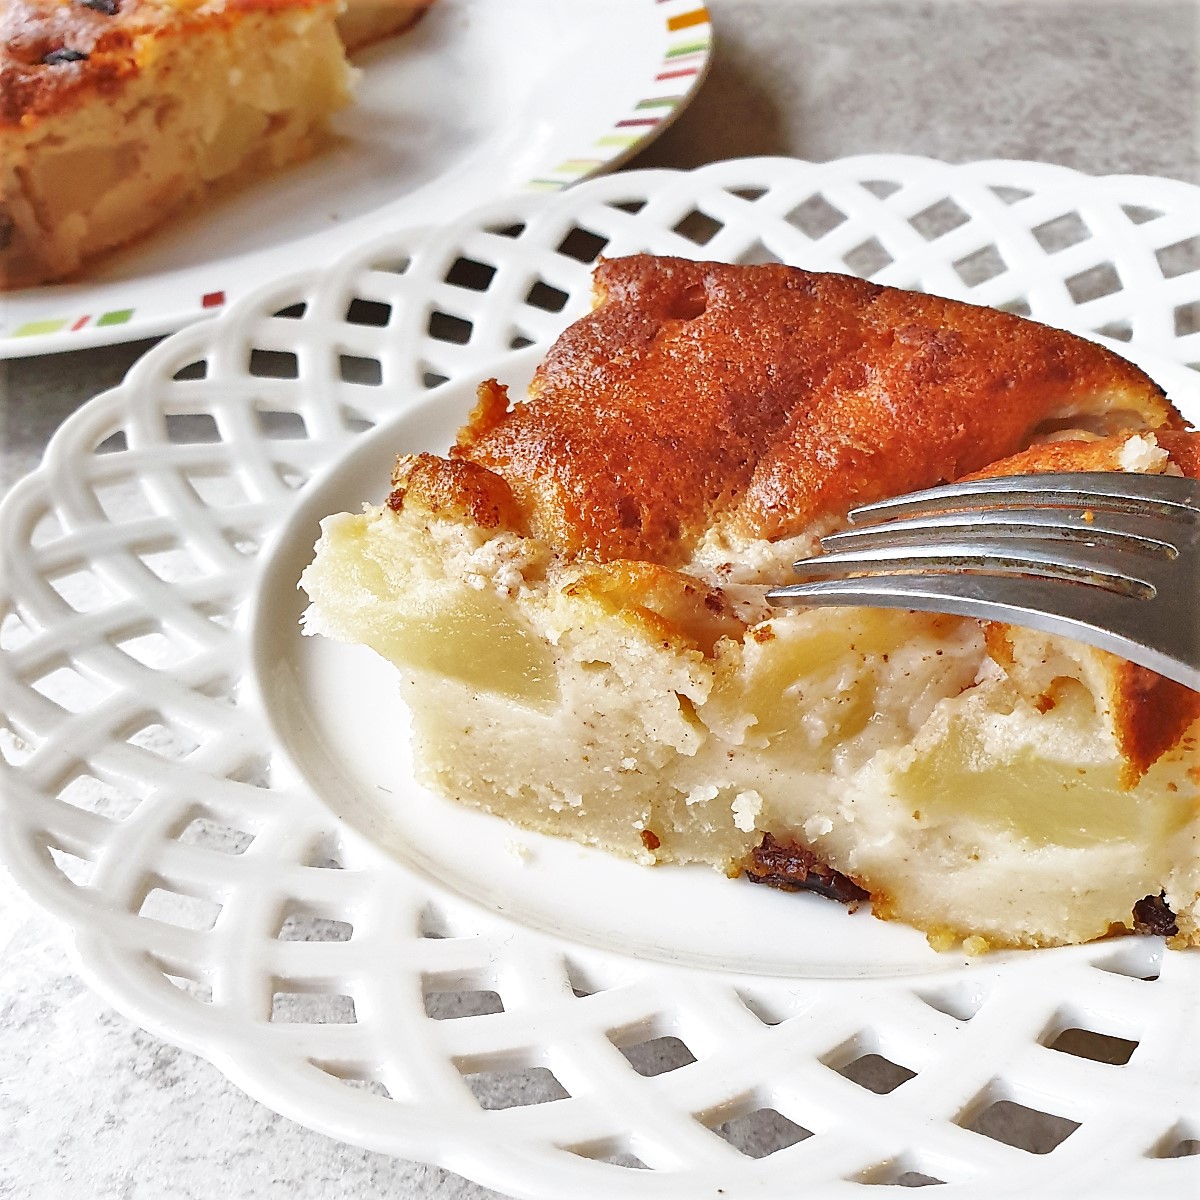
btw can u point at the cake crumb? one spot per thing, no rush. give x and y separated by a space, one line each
509 579
818 826
941 940
746 808
1142 454
519 851
990 671
976 945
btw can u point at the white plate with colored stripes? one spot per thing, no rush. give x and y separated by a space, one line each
482 98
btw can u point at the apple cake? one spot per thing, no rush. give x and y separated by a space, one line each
574 596
115 114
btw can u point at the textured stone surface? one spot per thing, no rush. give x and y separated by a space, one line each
91 1108
1104 86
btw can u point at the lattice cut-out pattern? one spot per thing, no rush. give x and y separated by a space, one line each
1022 1127
143 799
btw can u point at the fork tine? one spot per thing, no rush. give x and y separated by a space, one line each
1115 531
1166 495
1018 549
1015 557
1115 622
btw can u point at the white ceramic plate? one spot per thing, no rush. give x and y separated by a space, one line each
466 106
202 796
336 714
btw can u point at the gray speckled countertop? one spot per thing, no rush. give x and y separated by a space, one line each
92 1108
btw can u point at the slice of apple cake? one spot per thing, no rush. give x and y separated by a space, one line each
574 596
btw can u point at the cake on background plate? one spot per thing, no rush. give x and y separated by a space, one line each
574 596
116 114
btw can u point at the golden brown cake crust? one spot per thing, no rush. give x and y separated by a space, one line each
455 489
58 53
764 398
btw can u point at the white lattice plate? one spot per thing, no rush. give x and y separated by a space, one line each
465 107
200 794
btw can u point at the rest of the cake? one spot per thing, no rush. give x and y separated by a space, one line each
114 114
575 599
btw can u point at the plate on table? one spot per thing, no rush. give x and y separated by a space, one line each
481 98
201 796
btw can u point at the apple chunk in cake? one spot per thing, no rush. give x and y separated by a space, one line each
575 599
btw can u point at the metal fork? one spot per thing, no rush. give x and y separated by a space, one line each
1107 558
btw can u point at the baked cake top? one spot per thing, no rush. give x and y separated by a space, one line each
761 399
55 53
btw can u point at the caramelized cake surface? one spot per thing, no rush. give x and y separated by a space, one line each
761 399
